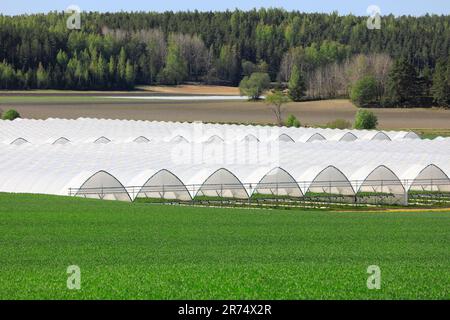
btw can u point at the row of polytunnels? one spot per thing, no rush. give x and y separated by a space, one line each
345 137
223 183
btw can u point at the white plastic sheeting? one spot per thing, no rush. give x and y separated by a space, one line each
85 130
235 169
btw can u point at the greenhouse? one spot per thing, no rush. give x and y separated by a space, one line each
129 160
104 131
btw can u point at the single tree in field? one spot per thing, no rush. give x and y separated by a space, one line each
441 84
276 100
254 86
366 120
297 85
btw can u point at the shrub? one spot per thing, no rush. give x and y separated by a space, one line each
365 119
292 121
339 124
11 115
296 123
364 92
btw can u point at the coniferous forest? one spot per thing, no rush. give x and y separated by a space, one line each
405 63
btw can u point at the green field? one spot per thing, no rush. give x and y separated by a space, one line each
144 251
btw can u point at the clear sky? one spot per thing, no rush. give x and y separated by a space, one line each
357 7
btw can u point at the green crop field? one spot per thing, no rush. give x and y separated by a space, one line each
145 251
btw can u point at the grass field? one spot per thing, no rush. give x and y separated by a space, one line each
143 251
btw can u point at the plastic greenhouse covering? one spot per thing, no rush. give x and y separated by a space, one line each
125 160
83 130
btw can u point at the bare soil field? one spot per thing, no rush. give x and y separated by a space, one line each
187 89
192 89
314 113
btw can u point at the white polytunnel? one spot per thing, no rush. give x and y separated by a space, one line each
61 140
329 181
141 139
164 185
19 142
380 179
102 185
337 135
179 139
431 178
380 136
394 135
278 182
285 138
250 138
411 135
215 139
222 183
102 140
348 136
312 138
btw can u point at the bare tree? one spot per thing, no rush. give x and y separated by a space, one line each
295 56
381 64
335 79
194 52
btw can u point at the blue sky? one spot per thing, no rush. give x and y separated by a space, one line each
358 7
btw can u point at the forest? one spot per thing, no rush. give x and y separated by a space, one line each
405 63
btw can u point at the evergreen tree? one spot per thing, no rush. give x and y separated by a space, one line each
402 86
129 74
122 66
101 71
62 59
70 75
29 79
112 75
42 77
7 76
297 86
441 84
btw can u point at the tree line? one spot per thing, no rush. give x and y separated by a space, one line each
120 50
